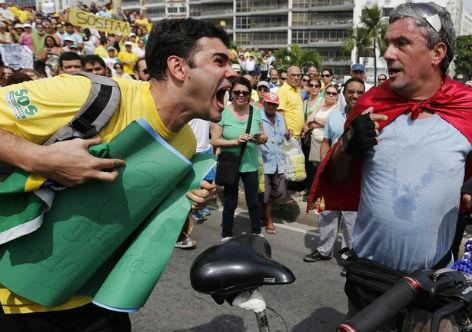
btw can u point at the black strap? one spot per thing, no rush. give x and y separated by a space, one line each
248 130
84 122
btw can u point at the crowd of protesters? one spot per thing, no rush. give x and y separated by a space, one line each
287 102
57 46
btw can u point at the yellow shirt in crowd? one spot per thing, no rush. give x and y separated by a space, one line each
128 59
290 101
35 110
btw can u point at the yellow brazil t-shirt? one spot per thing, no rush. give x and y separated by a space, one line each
290 101
35 110
128 57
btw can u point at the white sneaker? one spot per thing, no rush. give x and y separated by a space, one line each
226 239
187 243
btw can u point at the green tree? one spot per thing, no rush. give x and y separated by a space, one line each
296 56
463 56
358 39
375 26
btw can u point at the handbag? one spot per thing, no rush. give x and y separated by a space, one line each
227 164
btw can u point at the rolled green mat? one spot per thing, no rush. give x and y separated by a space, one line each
133 278
87 223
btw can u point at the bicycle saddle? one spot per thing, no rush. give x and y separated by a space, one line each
238 264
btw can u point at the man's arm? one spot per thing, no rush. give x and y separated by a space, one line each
68 162
362 135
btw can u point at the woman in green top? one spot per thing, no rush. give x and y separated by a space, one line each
228 135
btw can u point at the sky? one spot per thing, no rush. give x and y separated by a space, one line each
468 4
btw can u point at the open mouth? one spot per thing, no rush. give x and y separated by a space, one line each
220 96
392 72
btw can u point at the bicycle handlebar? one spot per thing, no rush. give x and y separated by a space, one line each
384 308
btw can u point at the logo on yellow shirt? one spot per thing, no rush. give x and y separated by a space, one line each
20 104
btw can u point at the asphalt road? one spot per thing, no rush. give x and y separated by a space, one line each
314 302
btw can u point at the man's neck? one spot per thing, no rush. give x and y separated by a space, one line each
173 112
426 90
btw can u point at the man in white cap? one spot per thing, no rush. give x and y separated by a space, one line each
111 59
128 58
25 37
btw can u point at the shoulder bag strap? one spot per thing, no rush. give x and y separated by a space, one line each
248 130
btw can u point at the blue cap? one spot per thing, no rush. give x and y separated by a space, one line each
358 67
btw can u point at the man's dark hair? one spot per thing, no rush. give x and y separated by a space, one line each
177 37
446 33
68 24
68 56
17 77
93 58
353 79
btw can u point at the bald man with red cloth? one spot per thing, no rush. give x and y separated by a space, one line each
452 102
401 160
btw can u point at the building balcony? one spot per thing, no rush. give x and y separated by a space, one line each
211 15
266 46
337 62
130 4
314 43
154 3
322 26
212 1
332 7
264 10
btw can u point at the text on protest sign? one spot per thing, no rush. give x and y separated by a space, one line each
86 20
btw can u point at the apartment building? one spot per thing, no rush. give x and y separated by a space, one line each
272 24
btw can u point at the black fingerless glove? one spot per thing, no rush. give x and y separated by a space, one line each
467 187
362 135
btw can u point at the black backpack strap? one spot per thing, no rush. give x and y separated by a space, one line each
101 104
248 130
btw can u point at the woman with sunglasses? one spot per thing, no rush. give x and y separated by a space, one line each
228 135
316 120
310 105
119 72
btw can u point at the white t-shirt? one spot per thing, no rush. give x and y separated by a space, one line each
139 52
201 129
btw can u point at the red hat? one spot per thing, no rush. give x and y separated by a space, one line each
271 98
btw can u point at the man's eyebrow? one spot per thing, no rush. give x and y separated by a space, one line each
222 55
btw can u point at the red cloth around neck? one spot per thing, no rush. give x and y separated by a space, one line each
452 102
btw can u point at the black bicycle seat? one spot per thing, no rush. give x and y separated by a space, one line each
238 264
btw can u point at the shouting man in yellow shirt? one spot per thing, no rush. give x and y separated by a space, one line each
190 71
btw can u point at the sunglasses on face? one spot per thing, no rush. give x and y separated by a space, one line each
145 71
241 93
382 79
331 93
283 78
429 13
304 80
263 90
314 85
325 75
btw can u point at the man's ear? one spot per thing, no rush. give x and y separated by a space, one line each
177 67
439 53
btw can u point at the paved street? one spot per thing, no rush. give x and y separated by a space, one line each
314 302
